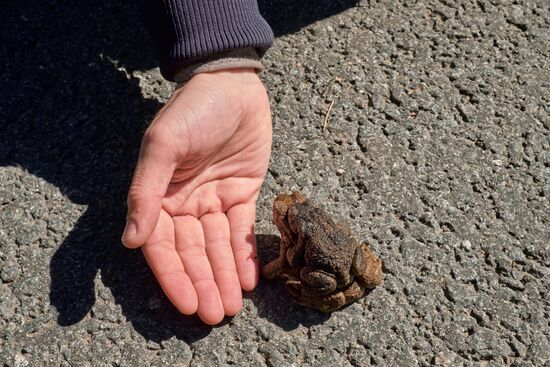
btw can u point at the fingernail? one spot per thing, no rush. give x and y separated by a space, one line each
130 231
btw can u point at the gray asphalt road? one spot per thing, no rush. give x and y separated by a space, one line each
436 151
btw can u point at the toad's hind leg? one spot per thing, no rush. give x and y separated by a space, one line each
317 281
372 276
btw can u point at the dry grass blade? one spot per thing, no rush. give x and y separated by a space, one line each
325 123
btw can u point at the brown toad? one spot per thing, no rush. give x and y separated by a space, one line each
323 265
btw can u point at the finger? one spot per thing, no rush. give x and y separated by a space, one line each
162 257
154 169
243 241
218 250
192 251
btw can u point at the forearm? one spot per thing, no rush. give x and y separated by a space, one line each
191 32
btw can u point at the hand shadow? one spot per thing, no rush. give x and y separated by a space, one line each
72 113
75 118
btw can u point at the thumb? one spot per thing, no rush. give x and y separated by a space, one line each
154 170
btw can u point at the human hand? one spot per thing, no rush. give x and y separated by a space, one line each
192 201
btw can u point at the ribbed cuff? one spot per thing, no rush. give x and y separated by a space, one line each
246 58
189 31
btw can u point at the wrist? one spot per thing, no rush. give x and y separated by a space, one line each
246 59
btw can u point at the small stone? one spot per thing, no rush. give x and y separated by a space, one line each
512 283
518 347
20 361
465 274
358 356
8 303
444 358
466 245
392 112
29 234
272 356
487 343
459 293
7 196
539 350
151 345
10 272
175 353
378 102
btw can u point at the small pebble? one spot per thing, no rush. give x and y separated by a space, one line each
467 245
10 272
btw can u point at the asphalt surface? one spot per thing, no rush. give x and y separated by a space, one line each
436 151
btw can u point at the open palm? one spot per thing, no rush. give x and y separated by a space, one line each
192 201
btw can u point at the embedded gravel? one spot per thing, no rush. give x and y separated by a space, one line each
436 151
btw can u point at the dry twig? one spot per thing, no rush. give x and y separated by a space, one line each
325 123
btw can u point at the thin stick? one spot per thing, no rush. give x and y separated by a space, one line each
328 114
